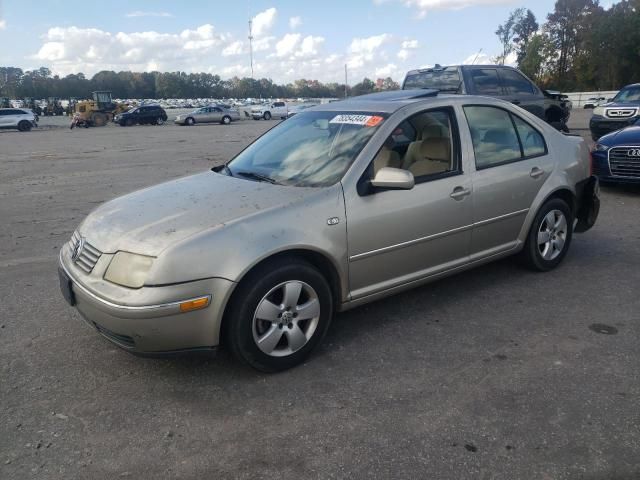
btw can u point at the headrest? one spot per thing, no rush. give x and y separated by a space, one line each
432 131
435 149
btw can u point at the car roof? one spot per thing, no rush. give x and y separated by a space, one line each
393 100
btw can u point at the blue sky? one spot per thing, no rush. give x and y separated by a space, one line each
293 39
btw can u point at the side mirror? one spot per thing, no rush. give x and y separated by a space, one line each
393 179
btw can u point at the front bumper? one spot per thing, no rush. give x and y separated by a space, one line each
601 126
602 169
151 323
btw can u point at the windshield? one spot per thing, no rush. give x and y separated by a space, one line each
446 79
631 94
312 149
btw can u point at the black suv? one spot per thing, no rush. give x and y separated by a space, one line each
623 110
499 81
146 114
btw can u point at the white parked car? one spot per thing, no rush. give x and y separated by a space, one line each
269 111
594 102
20 118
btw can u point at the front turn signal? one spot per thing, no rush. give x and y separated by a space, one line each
195 304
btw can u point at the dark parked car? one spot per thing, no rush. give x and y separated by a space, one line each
616 157
146 114
497 81
623 110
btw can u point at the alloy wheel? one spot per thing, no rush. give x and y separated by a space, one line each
552 235
286 318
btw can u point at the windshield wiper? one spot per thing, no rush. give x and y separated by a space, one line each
258 176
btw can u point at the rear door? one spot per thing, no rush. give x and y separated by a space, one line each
522 92
512 162
216 114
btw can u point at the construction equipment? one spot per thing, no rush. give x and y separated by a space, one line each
71 106
53 107
98 111
5 103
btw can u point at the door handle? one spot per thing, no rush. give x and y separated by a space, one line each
536 172
459 193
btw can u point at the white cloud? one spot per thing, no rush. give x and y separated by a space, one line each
409 44
295 22
3 24
368 45
293 45
424 6
287 44
263 22
139 13
88 50
406 48
234 48
389 70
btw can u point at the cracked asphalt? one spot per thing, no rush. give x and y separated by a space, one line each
496 373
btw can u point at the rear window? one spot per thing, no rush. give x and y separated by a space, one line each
485 81
515 82
447 78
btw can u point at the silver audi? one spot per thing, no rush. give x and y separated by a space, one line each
340 205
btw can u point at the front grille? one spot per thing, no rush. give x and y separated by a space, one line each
621 112
625 162
83 254
122 340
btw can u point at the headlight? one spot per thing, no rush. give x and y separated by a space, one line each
599 111
600 148
128 269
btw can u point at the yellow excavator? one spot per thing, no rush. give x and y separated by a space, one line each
98 111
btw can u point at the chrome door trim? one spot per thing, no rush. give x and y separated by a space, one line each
408 243
501 217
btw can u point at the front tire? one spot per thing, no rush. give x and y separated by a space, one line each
226 120
267 115
189 121
279 313
24 126
549 237
159 121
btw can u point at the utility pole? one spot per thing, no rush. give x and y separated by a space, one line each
251 46
345 80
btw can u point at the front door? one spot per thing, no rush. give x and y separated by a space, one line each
396 237
511 162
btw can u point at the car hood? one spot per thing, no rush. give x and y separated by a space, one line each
150 220
626 136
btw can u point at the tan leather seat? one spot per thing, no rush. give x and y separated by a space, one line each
386 158
428 156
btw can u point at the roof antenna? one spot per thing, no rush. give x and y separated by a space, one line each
477 55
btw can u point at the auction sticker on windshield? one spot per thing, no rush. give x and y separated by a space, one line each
365 120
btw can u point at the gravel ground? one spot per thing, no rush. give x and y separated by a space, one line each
496 373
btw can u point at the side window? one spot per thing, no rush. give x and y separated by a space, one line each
532 141
485 81
494 137
515 83
217 109
3 113
424 144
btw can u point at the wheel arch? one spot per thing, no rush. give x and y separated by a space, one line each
315 258
562 192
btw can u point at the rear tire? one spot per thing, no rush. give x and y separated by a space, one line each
549 237
226 120
189 121
267 115
159 121
128 122
265 327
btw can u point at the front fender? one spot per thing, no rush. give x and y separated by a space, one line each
232 250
